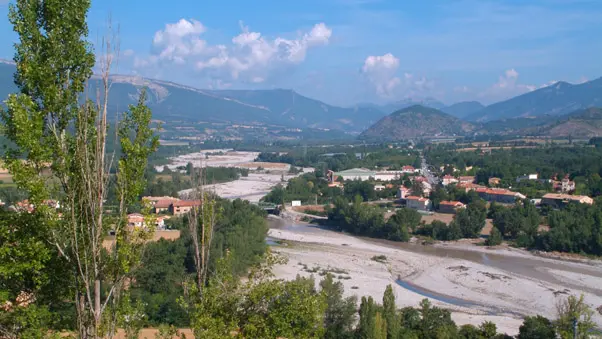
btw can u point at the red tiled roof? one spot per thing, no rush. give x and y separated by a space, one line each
163 203
408 168
186 203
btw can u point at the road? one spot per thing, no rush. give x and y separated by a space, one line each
432 179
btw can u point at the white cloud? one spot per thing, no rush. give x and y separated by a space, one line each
250 56
381 72
506 87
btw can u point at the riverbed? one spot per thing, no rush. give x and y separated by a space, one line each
475 283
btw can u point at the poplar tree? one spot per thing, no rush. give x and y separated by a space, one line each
57 152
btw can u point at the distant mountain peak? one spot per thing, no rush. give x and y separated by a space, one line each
556 99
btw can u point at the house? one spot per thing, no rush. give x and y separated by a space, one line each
448 180
136 220
162 206
295 203
402 193
418 203
355 174
379 188
409 169
556 200
564 186
182 207
500 195
450 206
493 181
469 187
527 177
467 179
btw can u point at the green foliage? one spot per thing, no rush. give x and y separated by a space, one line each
356 218
495 238
364 189
240 229
343 158
440 231
308 188
260 308
339 316
390 313
570 310
470 221
582 164
536 327
400 224
367 324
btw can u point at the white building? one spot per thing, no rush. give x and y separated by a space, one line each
379 188
388 175
448 180
355 174
418 203
527 177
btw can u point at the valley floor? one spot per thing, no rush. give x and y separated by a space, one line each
477 284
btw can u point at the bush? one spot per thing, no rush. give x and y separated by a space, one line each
495 238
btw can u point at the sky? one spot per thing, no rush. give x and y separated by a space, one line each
346 52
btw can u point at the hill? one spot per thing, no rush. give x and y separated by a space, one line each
405 103
585 123
172 101
463 109
557 99
416 122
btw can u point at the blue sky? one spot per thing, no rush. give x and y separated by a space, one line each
349 51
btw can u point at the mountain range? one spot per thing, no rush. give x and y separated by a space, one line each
555 100
283 107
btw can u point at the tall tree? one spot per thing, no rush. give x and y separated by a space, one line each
390 313
340 313
58 151
366 327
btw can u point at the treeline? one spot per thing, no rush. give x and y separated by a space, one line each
166 266
296 309
311 189
368 220
169 183
337 159
583 165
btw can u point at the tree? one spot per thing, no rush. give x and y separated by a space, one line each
49 128
536 327
380 327
495 238
367 326
398 226
417 188
339 317
390 313
570 310
470 220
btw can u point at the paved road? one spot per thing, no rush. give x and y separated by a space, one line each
433 180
